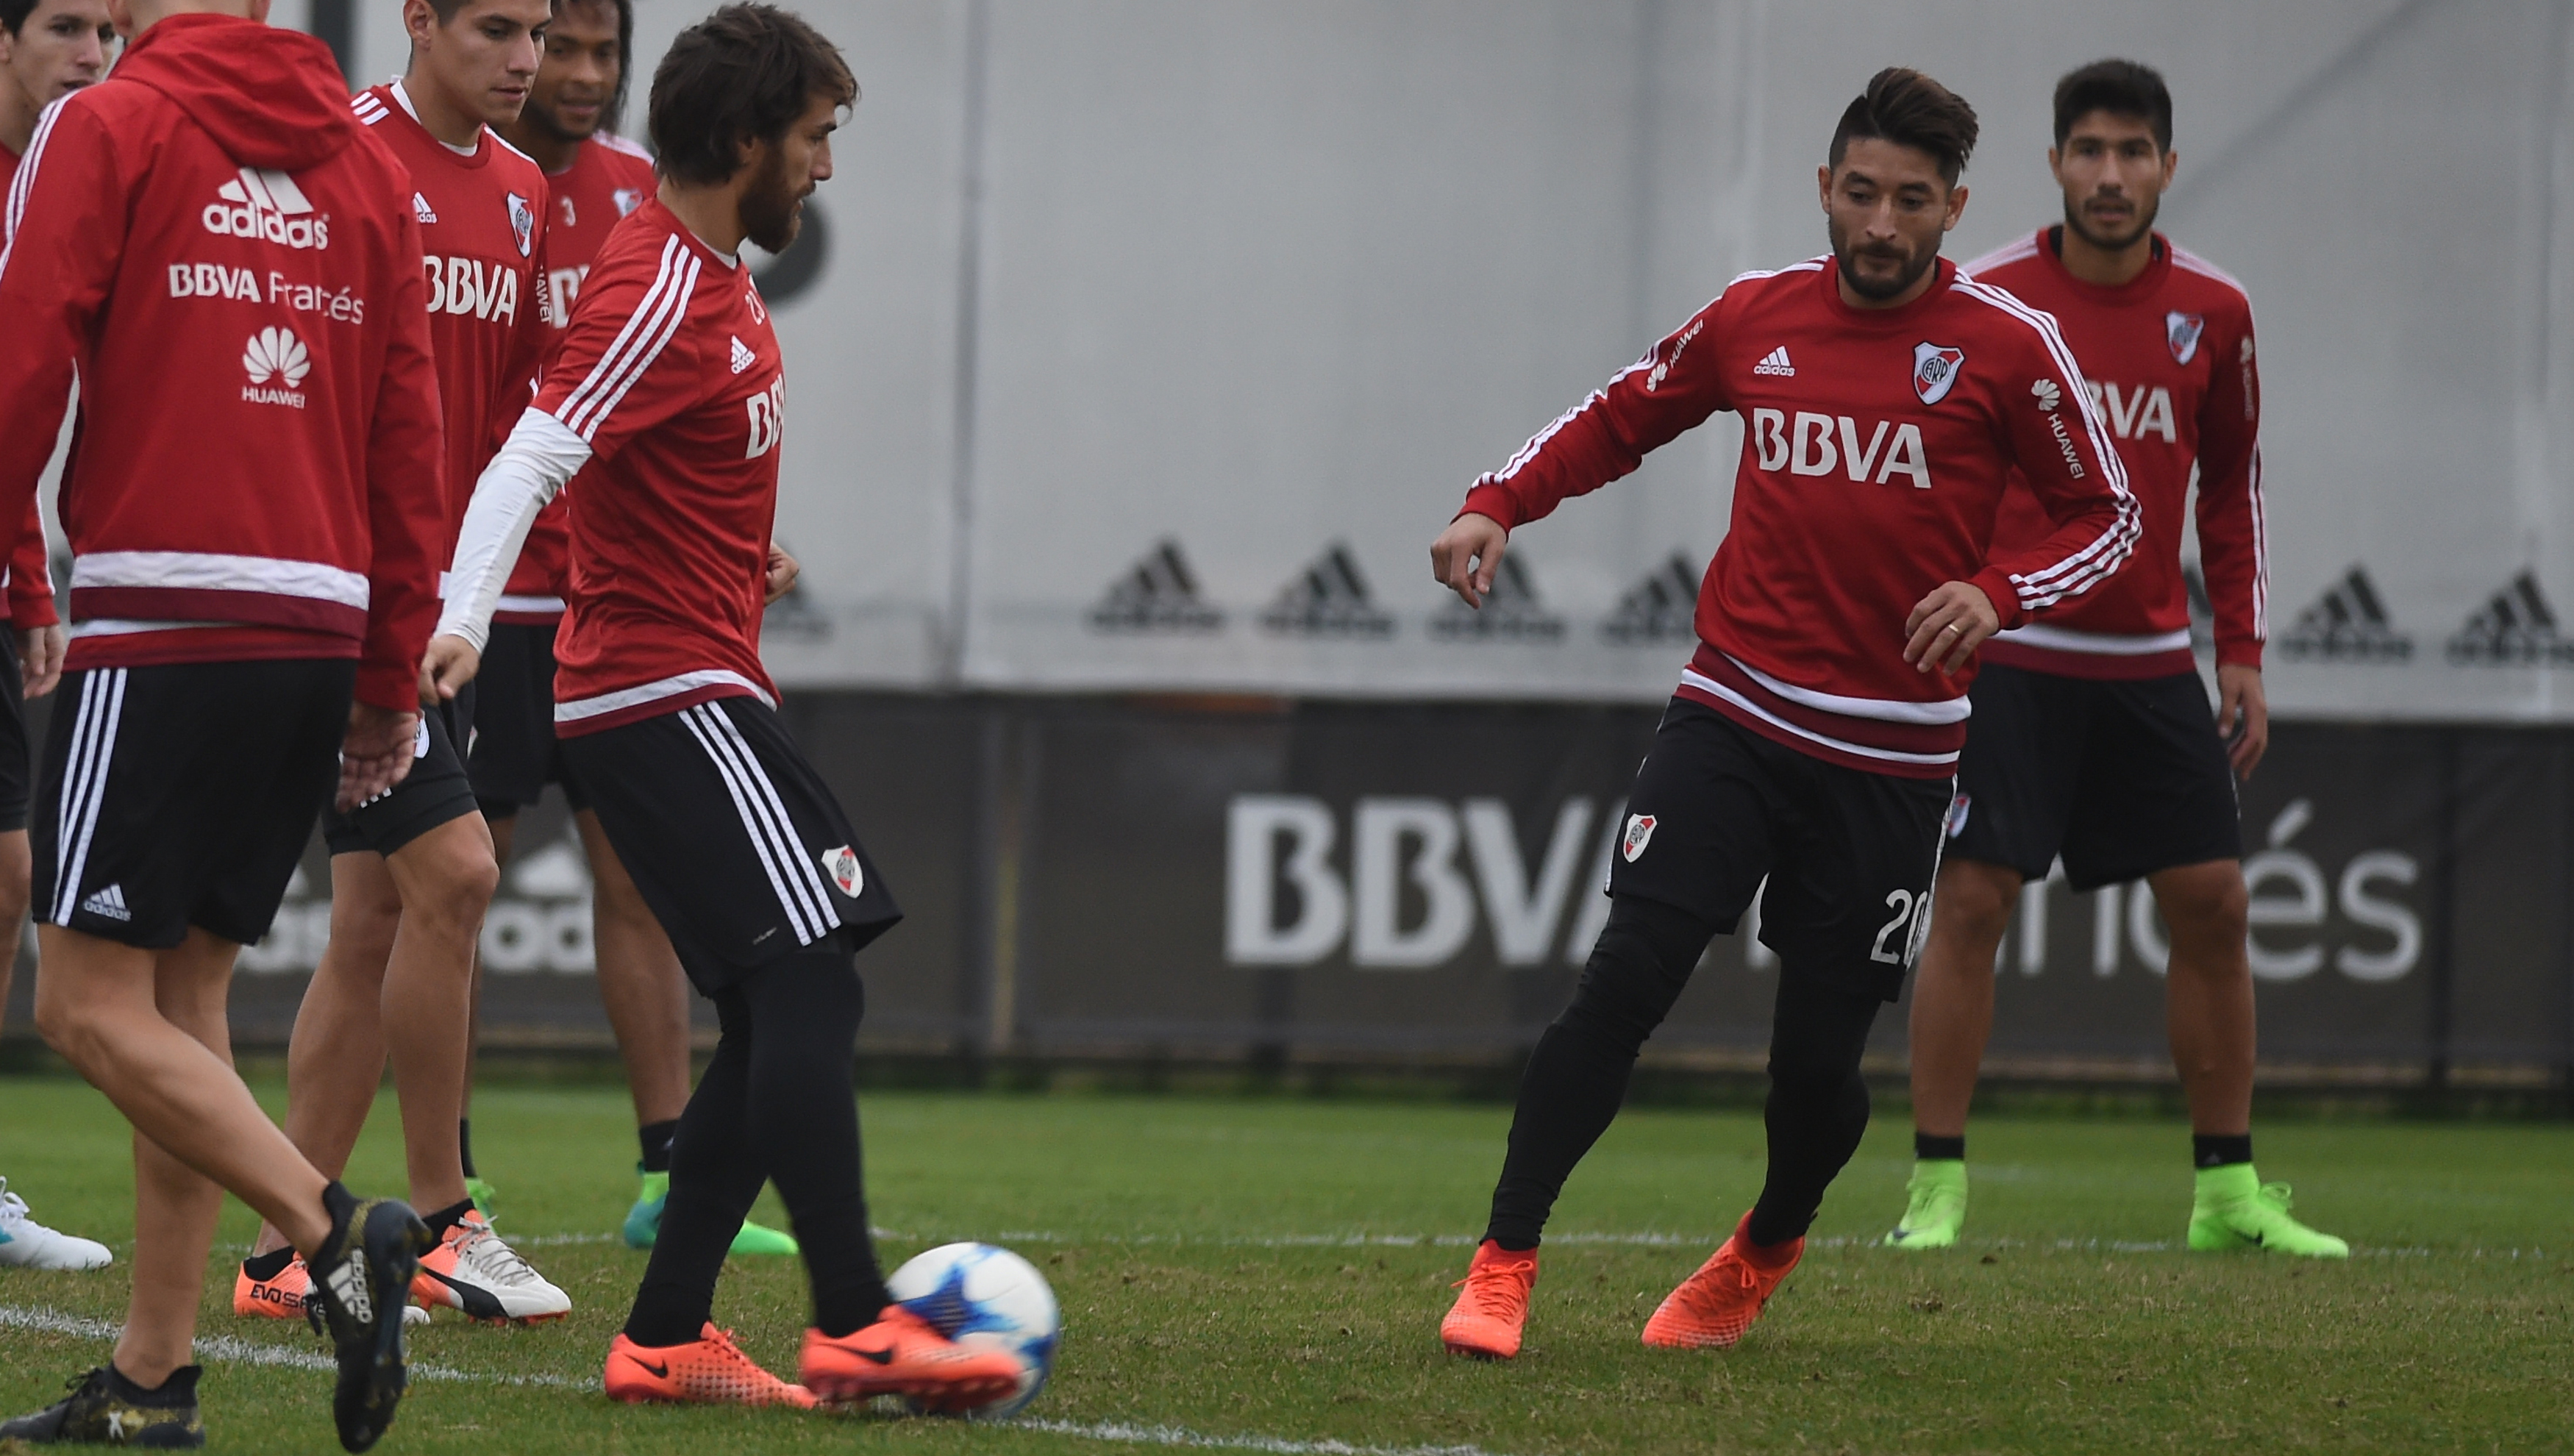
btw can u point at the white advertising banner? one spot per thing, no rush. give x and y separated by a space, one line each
1143 345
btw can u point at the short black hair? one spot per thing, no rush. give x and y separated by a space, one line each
2121 88
741 75
14 13
1909 108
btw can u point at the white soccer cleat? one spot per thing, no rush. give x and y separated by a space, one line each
27 1244
475 1271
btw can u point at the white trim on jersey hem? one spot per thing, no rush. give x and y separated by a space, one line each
1882 710
2100 643
120 626
577 709
195 571
1692 678
529 603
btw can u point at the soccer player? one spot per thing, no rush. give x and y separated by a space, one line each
413 872
670 379
597 176
48 49
253 510
1885 399
2093 737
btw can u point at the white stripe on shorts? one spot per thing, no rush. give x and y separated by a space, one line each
774 842
805 872
85 784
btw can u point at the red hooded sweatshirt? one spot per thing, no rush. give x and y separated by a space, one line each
233 266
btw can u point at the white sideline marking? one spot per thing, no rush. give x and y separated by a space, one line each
1653 1240
1275 1445
252 1352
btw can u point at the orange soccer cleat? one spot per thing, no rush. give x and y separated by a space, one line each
1487 1318
902 1355
1712 1308
708 1370
280 1296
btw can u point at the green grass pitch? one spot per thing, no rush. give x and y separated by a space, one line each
1268 1275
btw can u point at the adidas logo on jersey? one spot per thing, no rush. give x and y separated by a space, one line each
108 904
742 357
1776 362
421 209
265 207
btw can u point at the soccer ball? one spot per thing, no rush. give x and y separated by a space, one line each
978 1295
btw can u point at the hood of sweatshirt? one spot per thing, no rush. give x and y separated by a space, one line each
271 98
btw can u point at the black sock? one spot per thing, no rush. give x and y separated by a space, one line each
341 1205
1927 1147
2209 1150
179 1389
448 1217
656 1139
464 1144
774 1102
1818 1108
1577 1077
268 1266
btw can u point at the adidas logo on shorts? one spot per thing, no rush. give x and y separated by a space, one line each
108 904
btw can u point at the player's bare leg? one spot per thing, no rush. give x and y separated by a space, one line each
2208 993
1951 1018
640 984
174 1206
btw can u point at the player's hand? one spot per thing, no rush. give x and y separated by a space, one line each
2242 715
783 572
1467 553
1947 626
446 668
40 659
376 754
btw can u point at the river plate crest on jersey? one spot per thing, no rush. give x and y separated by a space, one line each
2182 332
1934 371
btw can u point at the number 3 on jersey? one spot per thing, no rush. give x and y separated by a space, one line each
1898 940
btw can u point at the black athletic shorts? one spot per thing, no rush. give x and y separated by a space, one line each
1848 856
515 753
434 792
17 765
183 794
731 837
2121 778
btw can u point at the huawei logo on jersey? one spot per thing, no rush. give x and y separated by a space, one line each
266 207
276 362
2048 394
767 419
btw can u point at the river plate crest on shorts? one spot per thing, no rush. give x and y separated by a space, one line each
842 866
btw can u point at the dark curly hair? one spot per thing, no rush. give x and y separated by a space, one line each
741 75
1911 110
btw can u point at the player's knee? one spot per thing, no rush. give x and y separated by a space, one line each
455 877
72 1024
1974 902
2207 904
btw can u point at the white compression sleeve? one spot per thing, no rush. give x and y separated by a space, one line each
530 470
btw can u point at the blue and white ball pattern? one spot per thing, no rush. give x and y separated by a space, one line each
978 1295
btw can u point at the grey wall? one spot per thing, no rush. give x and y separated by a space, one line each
1260 278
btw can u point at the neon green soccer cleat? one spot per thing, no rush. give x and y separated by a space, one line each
643 1223
1936 1205
2236 1210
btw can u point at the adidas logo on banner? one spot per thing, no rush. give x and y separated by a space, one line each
1328 598
2347 625
1663 607
1774 362
108 904
1510 612
1159 595
2202 612
2514 630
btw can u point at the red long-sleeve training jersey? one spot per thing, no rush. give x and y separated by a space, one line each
30 572
1877 445
232 265
2170 360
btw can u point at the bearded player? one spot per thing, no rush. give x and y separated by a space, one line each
2093 737
412 871
48 50
1885 399
670 378
597 176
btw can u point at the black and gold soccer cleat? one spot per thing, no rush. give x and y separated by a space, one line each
105 1409
361 1281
